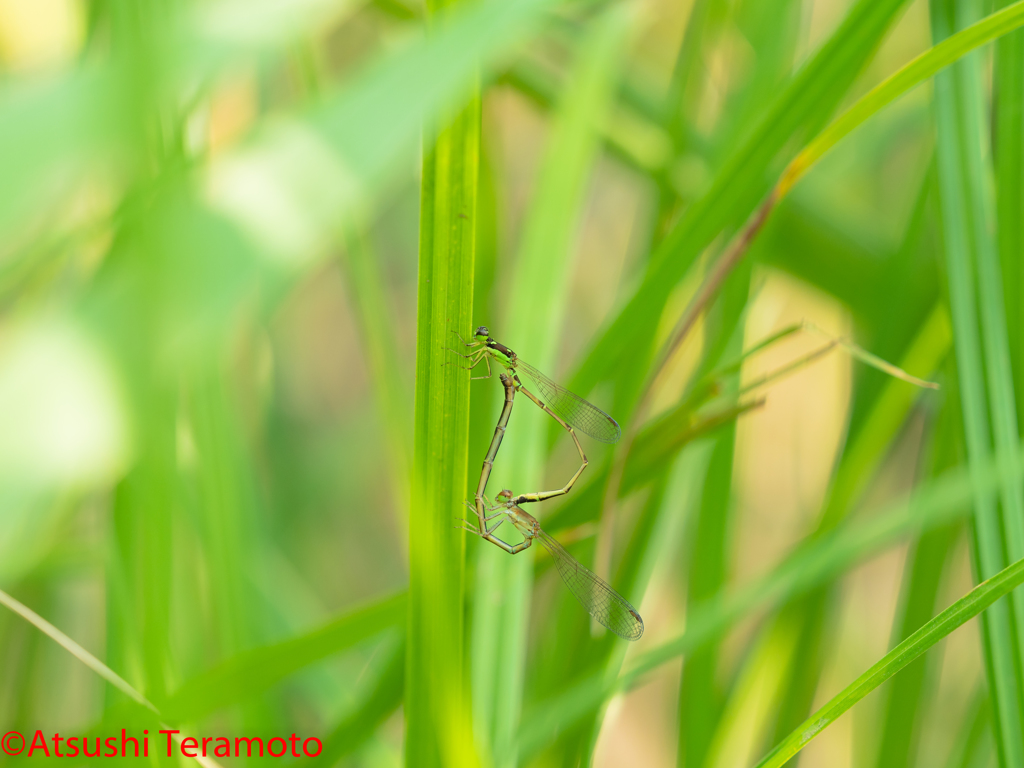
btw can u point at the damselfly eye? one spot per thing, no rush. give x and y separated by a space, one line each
482 331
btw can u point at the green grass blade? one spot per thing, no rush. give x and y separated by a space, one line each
251 672
902 713
700 694
990 303
903 707
142 523
1009 165
75 650
964 219
995 336
222 488
913 74
437 714
90 661
484 404
964 609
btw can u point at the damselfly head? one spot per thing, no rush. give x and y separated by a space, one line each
504 496
482 331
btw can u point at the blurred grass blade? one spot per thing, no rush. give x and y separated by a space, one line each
222 486
701 695
753 698
903 712
865 454
437 712
90 661
657 535
380 113
916 72
965 217
859 353
653 447
302 179
49 123
382 698
669 432
801 108
1008 136
815 564
540 283
964 609
376 320
654 290
804 623
251 672
75 650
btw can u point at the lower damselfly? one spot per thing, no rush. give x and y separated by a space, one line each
602 602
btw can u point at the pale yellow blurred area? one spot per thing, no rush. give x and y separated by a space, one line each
40 34
784 457
639 727
786 449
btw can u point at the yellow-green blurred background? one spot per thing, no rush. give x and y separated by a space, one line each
209 233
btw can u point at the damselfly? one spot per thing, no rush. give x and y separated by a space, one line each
601 601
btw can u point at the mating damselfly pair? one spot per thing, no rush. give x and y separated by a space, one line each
572 413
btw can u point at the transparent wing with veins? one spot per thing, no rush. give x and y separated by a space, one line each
601 601
584 416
